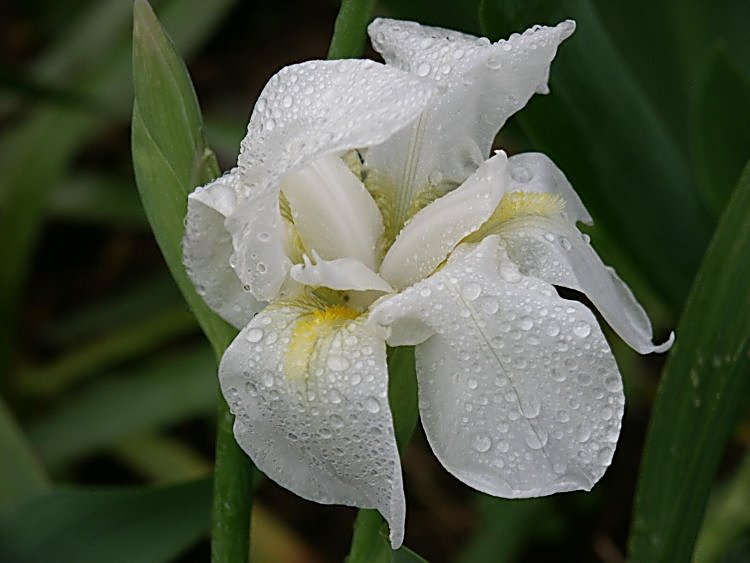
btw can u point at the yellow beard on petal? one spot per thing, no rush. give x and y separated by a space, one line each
524 204
517 205
306 333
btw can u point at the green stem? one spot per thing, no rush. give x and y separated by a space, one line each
233 495
350 30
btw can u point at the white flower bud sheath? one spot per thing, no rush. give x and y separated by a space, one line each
364 211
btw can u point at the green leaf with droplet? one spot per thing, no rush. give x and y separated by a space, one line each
701 391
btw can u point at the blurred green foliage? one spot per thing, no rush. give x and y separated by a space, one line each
105 380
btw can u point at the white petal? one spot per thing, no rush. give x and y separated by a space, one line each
556 252
483 85
519 393
207 247
334 214
433 232
306 111
343 274
535 172
322 428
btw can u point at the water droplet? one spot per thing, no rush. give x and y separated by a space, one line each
267 378
536 438
521 174
558 375
337 363
472 383
530 406
287 101
423 69
372 405
251 388
489 305
525 323
264 236
549 237
565 243
254 335
582 329
509 273
503 446
472 291
425 291
481 442
336 421
494 62
612 383
261 267
334 396
559 467
325 433
583 433
552 329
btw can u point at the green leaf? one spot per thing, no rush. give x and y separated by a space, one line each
721 127
702 389
116 346
89 198
601 127
170 157
94 56
166 390
727 517
21 474
508 525
114 525
350 31
402 393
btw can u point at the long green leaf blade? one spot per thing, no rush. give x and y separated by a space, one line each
170 157
21 474
701 391
113 525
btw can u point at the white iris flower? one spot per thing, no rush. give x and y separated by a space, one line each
363 212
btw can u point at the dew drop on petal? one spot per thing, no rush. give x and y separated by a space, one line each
337 363
582 329
521 174
372 405
472 291
423 69
481 442
254 335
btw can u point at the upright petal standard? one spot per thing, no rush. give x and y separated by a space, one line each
366 210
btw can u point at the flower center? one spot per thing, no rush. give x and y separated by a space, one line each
307 332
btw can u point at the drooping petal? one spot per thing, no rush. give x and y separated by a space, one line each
309 389
334 214
519 393
483 84
435 230
535 172
555 251
304 112
207 247
344 274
